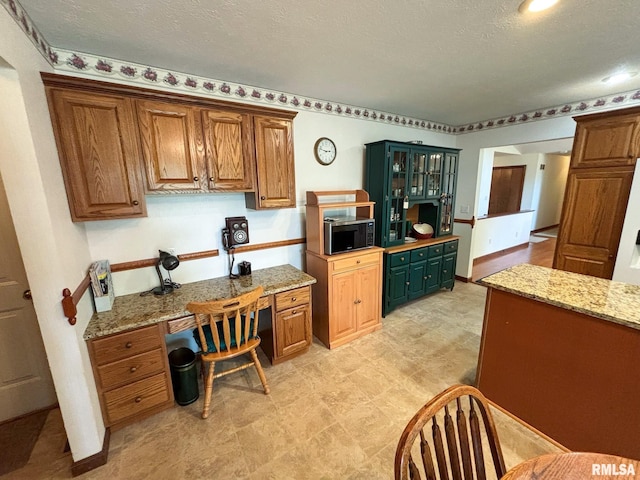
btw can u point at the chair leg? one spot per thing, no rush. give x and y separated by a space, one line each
258 366
208 389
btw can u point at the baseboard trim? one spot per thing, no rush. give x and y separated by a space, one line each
529 427
500 253
538 230
463 279
94 461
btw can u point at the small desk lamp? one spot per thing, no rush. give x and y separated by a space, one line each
169 262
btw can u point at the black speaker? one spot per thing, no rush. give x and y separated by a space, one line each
236 232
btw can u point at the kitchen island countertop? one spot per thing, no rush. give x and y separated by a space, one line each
134 311
605 299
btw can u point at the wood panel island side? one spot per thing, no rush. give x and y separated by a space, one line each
561 351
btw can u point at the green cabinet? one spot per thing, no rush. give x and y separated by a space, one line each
411 274
400 175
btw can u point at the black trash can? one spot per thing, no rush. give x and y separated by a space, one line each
184 375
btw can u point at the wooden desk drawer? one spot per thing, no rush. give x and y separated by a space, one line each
355 262
122 345
131 369
133 399
292 298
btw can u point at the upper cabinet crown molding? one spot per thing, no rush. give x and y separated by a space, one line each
177 142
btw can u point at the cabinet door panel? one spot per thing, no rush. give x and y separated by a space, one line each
343 305
97 143
275 164
593 213
417 279
448 270
293 330
607 142
398 285
434 267
228 155
171 146
368 296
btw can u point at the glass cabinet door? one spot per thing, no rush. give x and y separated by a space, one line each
434 174
418 177
449 171
394 225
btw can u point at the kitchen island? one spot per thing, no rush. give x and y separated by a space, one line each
561 351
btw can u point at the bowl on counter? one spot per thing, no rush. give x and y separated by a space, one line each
422 230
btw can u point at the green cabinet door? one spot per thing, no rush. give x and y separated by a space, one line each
434 266
448 270
417 279
397 287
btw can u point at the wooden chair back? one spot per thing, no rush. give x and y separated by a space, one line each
233 321
461 453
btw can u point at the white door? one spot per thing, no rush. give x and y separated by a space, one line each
25 379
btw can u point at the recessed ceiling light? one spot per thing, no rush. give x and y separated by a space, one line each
536 5
619 77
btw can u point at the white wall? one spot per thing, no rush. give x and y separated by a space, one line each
55 251
627 267
499 233
549 194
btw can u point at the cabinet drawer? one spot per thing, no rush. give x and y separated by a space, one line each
123 345
398 259
355 262
131 369
292 298
451 246
133 399
419 254
436 250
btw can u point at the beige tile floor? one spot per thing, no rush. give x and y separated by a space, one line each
331 414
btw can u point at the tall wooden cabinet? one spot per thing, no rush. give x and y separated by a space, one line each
603 158
112 137
347 298
99 154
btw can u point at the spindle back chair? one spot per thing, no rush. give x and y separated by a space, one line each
226 329
462 452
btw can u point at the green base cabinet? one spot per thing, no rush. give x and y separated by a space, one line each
412 274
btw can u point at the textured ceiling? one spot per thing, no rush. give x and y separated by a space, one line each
454 61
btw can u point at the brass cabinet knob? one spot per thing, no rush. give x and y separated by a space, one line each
26 295
128 345
211 179
133 369
293 299
138 399
357 261
195 179
355 302
136 203
263 197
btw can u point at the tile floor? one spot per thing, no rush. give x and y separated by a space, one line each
331 414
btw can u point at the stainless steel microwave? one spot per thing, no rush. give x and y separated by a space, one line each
344 234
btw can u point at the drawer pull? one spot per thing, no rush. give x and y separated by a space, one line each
293 299
133 369
138 399
128 345
428 276
355 302
408 283
195 179
211 179
444 271
420 254
293 312
136 203
402 259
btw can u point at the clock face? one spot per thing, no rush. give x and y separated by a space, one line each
325 151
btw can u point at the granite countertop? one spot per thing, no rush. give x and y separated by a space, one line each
615 301
134 311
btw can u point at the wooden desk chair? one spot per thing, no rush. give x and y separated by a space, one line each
464 439
235 333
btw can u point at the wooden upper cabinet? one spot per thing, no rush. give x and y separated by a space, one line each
275 164
606 140
594 208
99 153
171 145
229 157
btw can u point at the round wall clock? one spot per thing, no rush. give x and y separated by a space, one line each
325 151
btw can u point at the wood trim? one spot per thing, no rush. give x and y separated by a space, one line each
463 279
471 221
500 253
538 230
94 461
493 215
529 427
69 300
68 82
264 246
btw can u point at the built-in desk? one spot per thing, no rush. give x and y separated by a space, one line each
128 351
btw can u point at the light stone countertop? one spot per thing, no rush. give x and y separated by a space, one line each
615 301
134 311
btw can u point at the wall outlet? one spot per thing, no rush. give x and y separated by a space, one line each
517 233
489 241
464 209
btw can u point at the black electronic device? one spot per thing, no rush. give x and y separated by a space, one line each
235 233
